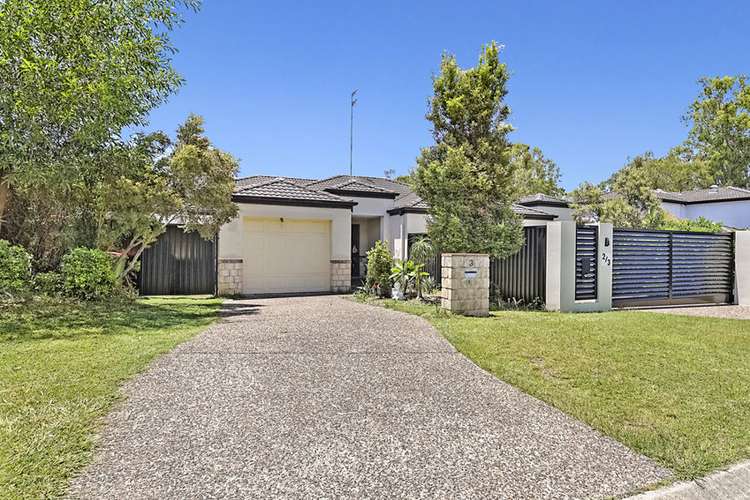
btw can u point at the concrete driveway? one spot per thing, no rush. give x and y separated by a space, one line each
324 397
726 312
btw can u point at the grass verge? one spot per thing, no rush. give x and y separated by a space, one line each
674 388
61 364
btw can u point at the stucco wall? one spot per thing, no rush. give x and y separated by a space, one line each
676 209
397 235
231 239
732 213
371 206
369 232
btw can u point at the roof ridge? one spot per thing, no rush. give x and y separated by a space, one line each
287 181
357 181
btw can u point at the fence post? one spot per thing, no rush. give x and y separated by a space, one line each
742 268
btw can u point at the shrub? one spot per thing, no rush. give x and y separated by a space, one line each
701 224
88 274
48 283
379 264
15 269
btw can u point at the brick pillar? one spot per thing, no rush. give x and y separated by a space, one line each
341 276
230 277
466 283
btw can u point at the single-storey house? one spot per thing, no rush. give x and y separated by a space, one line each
728 205
295 235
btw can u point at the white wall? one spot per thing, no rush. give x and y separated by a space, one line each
676 209
397 235
733 214
369 232
742 268
231 234
376 207
401 227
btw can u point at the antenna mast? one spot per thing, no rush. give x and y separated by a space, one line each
351 131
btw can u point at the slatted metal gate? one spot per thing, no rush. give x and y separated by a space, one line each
179 263
671 268
587 249
522 276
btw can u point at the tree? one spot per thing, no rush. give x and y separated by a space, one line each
674 172
73 74
192 186
630 203
467 176
720 128
534 173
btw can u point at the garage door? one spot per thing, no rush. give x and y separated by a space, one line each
286 256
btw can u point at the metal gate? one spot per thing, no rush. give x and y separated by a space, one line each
179 263
672 268
587 248
523 275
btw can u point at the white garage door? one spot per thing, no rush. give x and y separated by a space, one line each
286 256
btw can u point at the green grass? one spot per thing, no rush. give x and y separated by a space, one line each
61 364
674 388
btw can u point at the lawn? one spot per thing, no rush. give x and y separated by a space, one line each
61 364
674 388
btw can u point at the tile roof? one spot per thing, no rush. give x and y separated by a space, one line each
531 212
541 199
359 186
282 188
296 189
261 179
714 193
377 182
410 200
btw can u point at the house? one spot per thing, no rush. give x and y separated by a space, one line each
728 205
297 235
550 205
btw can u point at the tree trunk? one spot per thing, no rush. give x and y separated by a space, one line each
4 199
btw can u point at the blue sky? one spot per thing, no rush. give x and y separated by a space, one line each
593 82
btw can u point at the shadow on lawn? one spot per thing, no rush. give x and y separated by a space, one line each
44 318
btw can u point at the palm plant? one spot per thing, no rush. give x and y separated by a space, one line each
421 251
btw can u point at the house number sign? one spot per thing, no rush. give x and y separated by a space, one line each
470 274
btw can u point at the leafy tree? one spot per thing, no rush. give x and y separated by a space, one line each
467 176
405 179
192 186
631 203
674 172
534 173
73 74
720 128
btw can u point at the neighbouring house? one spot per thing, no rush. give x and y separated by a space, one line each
302 235
728 205
550 205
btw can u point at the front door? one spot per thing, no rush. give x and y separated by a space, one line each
355 252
